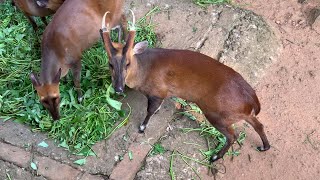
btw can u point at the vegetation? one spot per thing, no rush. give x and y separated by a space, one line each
157 149
215 140
81 125
205 3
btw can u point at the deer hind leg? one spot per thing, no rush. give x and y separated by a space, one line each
228 132
154 104
258 127
32 22
224 126
76 72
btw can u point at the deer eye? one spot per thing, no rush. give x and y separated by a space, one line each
45 103
128 64
56 100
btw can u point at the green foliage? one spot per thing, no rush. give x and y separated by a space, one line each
130 154
80 161
205 3
207 130
81 125
33 166
218 140
157 149
188 105
43 144
172 174
145 28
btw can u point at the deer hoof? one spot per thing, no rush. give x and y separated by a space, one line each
261 148
80 99
214 158
142 128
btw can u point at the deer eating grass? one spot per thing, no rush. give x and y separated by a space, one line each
72 30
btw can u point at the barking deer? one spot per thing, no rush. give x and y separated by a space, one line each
221 93
72 30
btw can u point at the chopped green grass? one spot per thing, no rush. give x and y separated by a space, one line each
157 149
172 173
205 3
81 125
145 28
207 130
215 138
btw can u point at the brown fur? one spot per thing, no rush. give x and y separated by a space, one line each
222 94
30 8
54 4
73 29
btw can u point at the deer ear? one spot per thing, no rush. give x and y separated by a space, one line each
56 79
140 47
34 80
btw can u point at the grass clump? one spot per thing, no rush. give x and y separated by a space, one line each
206 130
157 149
205 3
145 28
215 139
81 125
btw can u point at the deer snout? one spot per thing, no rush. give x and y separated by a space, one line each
119 89
55 114
56 117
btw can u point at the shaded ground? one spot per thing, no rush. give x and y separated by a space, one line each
287 85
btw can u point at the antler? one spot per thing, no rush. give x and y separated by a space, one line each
105 28
133 28
105 34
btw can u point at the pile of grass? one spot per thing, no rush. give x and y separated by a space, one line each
81 125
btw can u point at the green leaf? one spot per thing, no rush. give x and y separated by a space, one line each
91 153
189 115
157 149
43 144
122 113
181 101
130 155
195 108
111 89
5 118
80 161
78 146
115 104
33 166
64 144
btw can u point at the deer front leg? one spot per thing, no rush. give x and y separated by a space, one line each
76 71
154 104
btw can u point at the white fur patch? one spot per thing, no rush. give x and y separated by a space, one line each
142 127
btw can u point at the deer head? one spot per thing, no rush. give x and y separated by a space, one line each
121 61
48 93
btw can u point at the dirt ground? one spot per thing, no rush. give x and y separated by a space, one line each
289 93
278 54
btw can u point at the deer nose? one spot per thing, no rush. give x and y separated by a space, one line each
56 117
119 90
